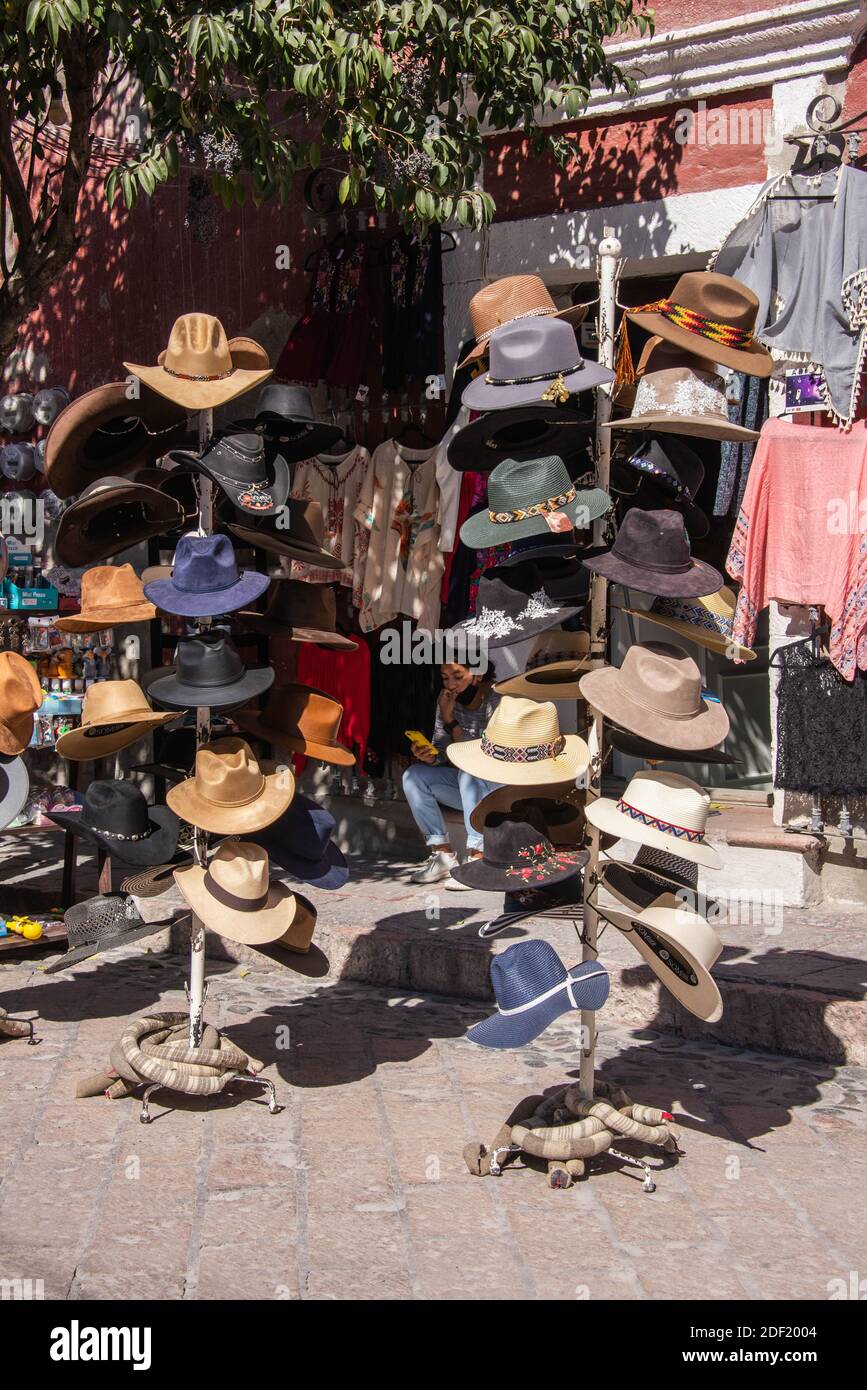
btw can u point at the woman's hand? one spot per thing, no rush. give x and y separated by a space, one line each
447 706
425 755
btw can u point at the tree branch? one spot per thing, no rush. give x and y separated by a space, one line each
13 182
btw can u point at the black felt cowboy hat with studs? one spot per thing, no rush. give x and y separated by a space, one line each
237 465
116 816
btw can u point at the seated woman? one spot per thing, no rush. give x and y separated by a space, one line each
466 703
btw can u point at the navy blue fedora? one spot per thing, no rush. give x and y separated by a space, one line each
205 580
300 844
533 987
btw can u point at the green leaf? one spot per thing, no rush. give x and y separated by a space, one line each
343 188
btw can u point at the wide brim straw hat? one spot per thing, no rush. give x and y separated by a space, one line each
553 669
522 746
510 298
111 921
104 432
660 809
720 300
657 694
250 928
201 368
526 497
706 620
680 947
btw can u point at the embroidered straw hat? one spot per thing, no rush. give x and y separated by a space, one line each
110 594
711 315
235 897
533 362
20 698
706 621
111 515
661 809
114 715
522 746
230 792
680 947
651 553
510 298
303 720
201 367
554 664
104 432
532 497
681 400
517 852
657 693
116 816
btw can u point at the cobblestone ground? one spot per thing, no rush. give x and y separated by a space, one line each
357 1189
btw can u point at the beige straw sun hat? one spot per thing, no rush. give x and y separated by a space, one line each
522 746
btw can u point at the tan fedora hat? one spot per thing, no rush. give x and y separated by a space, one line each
514 297
554 664
104 432
561 805
707 621
110 594
299 719
522 745
301 611
681 400
657 693
20 698
299 934
661 809
711 315
201 367
680 947
234 895
114 715
230 792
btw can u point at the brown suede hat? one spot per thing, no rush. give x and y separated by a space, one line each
110 594
711 315
20 698
105 432
657 693
299 719
230 792
305 612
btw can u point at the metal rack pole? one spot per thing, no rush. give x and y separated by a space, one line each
196 989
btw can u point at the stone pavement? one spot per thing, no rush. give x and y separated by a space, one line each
358 1189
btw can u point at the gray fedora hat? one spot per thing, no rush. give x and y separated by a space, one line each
284 413
533 362
530 497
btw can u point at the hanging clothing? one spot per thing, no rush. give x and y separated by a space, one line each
346 677
807 262
403 564
424 348
449 484
736 455
798 536
821 725
335 482
305 354
354 329
402 697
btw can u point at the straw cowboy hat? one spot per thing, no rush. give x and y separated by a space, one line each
514 297
302 720
532 497
111 515
706 621
114 714
20 698
651 553
116 816
711 315
205 580
561 805
524 431
234 895
110 594
554 664
104 923
517 851
533 362
661 809
532 987
657 693
104 433
680 947
522 746
230 792
681 400
201 367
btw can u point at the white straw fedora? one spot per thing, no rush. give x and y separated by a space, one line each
680 947
235 897
522 746
661 809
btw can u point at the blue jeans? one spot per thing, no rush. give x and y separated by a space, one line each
428 787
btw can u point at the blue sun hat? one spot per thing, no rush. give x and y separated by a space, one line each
532 987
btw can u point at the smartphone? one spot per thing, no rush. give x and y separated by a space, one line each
420 741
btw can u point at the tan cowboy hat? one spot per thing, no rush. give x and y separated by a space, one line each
679 946
20 698
706 621
554 664
711 315
657 694
661 809
522 745
114 715
104 432
234 895
303 720
299 934
514 297
110 594
561 805
681 400
201 367
230 792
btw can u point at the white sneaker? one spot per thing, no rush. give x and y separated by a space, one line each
436 868
455 886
